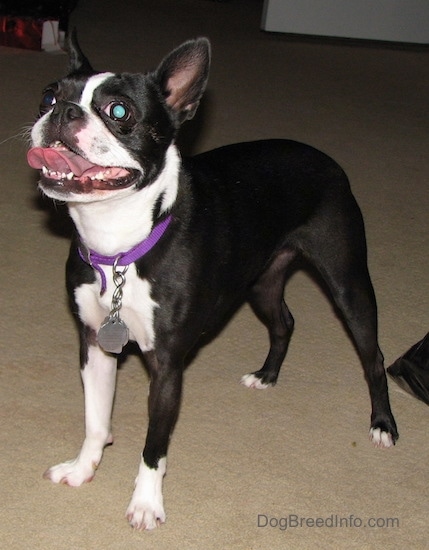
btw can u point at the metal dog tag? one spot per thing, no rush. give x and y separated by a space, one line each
113 334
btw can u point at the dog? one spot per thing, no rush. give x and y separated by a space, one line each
166 249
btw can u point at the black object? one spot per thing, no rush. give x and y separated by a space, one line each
411 370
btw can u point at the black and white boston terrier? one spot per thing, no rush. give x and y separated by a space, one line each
167 248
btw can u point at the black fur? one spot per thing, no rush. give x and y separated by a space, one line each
243 214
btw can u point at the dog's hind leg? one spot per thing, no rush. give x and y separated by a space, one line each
335 243
266 299
99 381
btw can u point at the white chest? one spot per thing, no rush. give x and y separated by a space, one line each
137 309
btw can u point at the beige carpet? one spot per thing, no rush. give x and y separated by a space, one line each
299 450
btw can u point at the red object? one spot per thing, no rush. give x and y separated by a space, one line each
21 32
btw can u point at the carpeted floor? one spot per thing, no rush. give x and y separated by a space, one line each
241 461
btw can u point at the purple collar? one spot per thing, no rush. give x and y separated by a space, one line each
95 260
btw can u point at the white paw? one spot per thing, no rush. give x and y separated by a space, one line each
144 515
381 439
146 509
72 473
252 381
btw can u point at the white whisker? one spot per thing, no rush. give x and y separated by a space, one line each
24 134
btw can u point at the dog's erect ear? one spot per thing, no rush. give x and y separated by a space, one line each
78 63
182 77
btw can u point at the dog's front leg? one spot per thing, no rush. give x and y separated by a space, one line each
99 381
146 509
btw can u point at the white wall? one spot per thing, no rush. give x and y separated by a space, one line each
391 20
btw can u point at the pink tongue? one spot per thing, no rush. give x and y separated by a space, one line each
58 160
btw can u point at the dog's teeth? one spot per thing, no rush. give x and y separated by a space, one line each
100 176
70 176
45 171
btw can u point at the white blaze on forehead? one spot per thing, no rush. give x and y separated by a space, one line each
92 84
85 101
94 139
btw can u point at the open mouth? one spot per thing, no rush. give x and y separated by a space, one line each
65 170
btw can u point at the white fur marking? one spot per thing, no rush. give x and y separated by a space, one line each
37 131
124 218
95 140
252 381
137 309
381 439
146 508
91 85
99 380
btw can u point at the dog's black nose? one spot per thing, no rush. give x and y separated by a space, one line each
65 111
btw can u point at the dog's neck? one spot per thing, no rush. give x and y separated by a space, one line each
118 223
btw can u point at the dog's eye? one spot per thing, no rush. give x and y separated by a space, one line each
118 111
48 99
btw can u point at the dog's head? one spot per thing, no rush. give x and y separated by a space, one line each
102 133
